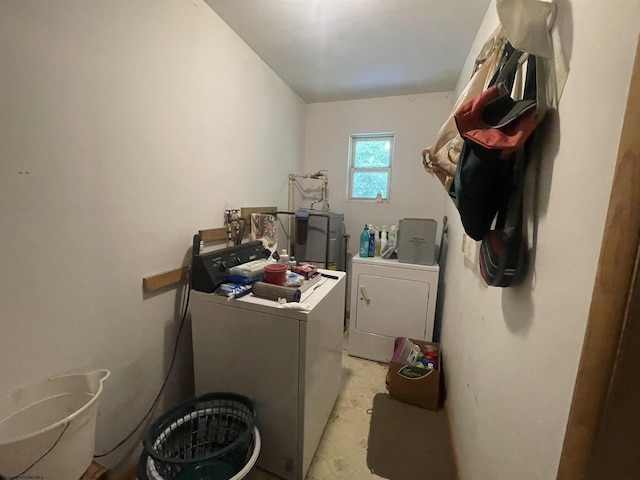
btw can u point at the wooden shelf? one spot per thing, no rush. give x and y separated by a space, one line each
165 279
157 281
213 234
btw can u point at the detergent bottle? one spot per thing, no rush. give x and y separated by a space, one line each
364 242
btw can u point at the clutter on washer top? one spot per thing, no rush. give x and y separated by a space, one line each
210 269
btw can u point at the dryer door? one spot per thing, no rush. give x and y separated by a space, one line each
392 307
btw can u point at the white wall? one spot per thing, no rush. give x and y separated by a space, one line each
415 119
138 123
488 25
511 355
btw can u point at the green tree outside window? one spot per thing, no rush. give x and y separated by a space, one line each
370 166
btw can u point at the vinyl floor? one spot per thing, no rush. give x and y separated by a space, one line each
370 435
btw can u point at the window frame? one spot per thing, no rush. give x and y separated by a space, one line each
353 139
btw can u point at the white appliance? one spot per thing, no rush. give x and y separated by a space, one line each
289 362
390 299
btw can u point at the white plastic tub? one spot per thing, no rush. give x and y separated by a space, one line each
47 429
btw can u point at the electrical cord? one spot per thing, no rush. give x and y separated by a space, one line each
39 459
164 383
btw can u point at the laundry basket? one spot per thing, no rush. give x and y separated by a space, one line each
147 468
47 429
211 437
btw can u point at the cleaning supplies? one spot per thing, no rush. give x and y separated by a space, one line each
284 257
372 242
392 243
364 242
383 238
378 243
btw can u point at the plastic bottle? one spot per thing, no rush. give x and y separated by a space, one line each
292 262
393 237
372 242
364 242
383 237
284 257
378 244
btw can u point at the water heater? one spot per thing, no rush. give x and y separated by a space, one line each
324 243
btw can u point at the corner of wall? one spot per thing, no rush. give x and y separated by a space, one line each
489 23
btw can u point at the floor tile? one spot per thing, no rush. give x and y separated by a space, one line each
342 451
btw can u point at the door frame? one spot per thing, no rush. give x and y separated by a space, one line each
612 290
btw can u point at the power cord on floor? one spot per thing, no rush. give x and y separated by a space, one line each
164 383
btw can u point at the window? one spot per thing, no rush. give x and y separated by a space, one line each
370 166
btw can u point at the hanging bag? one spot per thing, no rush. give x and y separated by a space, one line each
480 186
493 126
496 121
441 158
504 255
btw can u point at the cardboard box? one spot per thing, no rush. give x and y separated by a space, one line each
417 241
414 385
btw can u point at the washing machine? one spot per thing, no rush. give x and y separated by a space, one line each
289 362
390 299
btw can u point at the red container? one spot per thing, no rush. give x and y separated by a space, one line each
275 273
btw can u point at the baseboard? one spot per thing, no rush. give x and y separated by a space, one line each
451 442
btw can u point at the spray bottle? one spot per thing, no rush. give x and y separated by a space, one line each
378 244
372 242
383 238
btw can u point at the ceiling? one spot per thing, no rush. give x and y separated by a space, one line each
328 50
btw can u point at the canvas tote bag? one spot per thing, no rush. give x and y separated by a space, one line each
441 158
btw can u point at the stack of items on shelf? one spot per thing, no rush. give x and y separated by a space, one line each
376 242
413 241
